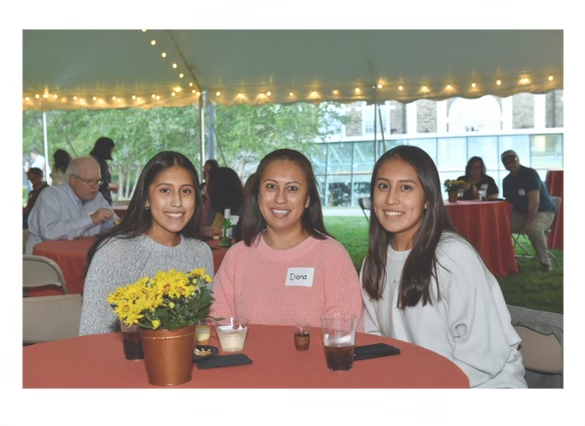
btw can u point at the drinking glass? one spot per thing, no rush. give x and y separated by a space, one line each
339 340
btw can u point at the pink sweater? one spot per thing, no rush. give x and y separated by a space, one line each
270 286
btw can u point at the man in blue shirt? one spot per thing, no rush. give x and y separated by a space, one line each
72 210
533 209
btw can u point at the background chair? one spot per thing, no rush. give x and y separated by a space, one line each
24 239
39 271
47 318
541 347
529 254
366 205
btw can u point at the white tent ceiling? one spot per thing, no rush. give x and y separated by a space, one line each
94 69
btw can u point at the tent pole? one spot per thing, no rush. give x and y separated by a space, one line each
375 132
201 133
46 148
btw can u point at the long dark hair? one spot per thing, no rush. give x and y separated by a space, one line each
137 219
225 189
252 220
103 148
421 263
470 164
62 159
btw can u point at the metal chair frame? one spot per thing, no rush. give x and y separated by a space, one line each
365 204
527 253
39 271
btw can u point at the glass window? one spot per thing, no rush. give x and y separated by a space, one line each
452 155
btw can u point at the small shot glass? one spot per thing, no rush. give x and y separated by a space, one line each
302 336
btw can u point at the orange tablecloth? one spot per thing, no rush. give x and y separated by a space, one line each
97 361
71 256
486 224
554 183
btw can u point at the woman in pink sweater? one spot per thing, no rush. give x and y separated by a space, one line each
287 268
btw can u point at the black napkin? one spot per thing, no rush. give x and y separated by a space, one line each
224 361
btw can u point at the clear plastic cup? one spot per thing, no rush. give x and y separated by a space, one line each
232 333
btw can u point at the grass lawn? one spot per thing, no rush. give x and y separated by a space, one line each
531 288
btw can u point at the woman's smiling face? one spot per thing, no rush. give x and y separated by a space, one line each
399 201
171 199
283 196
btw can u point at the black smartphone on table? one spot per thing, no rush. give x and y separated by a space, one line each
375 350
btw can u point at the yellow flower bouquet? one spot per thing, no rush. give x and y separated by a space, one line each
169 300
453 185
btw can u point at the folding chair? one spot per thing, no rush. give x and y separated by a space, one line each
48 318
527 253
39 271
541 347
366 204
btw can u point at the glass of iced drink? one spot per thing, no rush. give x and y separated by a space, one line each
232 333
339 340
203 331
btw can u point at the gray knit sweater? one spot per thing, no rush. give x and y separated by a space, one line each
124 261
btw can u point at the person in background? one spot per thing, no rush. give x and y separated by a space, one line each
61 160
38 161
102 151
75 209
225 191
207 167
425 284
160 231
287 267
36 178
533 210
475 176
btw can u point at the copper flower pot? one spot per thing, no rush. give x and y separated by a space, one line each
453 196
168 355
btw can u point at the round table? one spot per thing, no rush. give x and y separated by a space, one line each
71 256
97 361
486 225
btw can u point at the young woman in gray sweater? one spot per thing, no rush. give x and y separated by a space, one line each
161 230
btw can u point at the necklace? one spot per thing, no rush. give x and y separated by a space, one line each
394 266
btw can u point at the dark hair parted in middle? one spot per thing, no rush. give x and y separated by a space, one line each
312 220
137 219
421 263
470 164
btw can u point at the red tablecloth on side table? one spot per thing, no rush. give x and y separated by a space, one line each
554 183
97 361
486 224
71 256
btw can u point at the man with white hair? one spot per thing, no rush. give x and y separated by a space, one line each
72 210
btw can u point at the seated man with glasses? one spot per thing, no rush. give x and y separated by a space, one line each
72 210
533 209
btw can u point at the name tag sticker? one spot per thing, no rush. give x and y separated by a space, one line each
302 277
521 192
